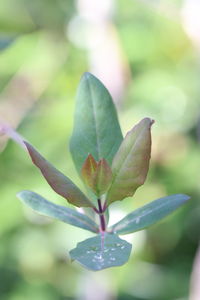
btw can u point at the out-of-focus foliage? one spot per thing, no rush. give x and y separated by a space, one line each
145 51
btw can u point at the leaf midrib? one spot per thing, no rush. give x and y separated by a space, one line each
64 212
123 162
128 222
95 119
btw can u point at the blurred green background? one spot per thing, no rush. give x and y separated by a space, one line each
148 55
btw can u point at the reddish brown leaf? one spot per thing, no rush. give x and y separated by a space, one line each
61 184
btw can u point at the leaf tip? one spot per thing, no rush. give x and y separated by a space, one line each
22 195
184 196
29 148
87 76
152 122
18 195
148 120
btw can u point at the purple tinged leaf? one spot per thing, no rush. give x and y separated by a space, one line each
131 162
61 184
96 175
88 171
103 177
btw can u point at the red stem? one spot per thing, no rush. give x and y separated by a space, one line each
101 216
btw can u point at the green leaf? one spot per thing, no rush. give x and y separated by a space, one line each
96 126
97 254
131 162
149 214
64 214
61 184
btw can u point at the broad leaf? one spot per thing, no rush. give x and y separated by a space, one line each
149 214
97 254
61 184
96 127
131 162
64 214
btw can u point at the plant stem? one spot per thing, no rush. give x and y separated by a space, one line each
101 216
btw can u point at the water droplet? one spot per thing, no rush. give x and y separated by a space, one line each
122 247
112 258
112 249
137 220
106 250
99 257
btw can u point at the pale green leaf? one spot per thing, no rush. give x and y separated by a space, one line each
149 214
96 254
62 213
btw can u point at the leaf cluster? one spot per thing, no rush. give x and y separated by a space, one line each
112 168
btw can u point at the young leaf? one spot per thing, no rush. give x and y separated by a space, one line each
131 162
88 171
149 214
103 177
97 176
95 254
96 127
64 214
61 184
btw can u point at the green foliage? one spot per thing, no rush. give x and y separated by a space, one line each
102 252
161 80
131 162
62 213
59 182
97 131
96 127
149 214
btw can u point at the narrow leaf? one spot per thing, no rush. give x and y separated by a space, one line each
64 214
61 184
149 214
131 162
95 254
96 126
